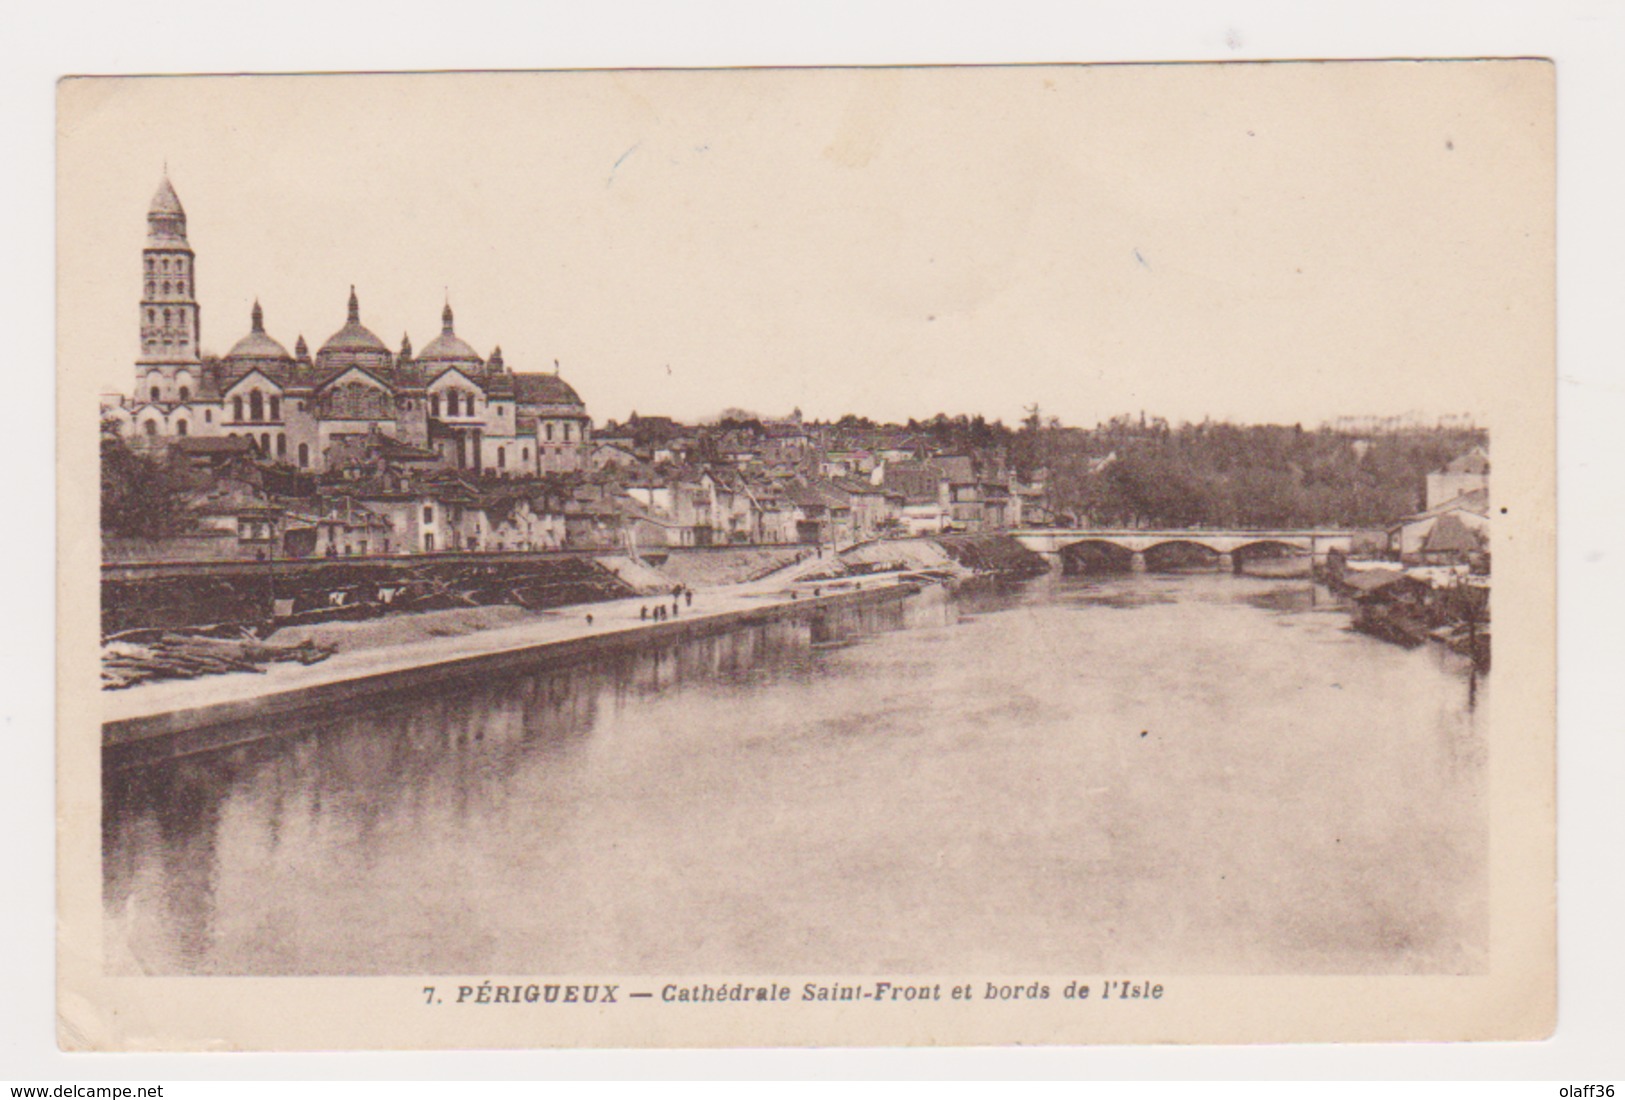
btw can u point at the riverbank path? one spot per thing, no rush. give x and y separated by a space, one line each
555 626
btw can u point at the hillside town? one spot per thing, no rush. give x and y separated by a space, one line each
357 451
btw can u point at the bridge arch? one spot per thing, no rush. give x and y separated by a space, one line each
1087 556
1273 557
1270 548
1183 554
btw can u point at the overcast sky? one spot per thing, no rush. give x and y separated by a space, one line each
1282 243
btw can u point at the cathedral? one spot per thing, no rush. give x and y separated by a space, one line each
314 412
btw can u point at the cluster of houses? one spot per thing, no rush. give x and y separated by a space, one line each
652 483
647 486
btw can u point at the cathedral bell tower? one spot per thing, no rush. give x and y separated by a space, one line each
169 310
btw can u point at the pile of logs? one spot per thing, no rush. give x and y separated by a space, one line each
137 656
315 593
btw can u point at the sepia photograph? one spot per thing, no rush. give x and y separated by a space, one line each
807 556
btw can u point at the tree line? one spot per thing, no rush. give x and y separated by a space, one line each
1226 475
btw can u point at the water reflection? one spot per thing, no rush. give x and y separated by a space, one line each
1195 773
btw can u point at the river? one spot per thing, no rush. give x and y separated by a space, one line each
1168 774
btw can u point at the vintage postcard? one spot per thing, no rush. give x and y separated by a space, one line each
807 557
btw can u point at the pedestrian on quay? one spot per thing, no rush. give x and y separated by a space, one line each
688 595
643 612
589 618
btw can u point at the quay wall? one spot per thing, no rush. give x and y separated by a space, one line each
207 728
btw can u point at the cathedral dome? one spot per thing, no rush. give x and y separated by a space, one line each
354 344
449 349
545 389
257 345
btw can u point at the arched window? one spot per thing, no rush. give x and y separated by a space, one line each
434 404
185 393
256 406
265 443
155 394
549 430
502 458
165 263
237 407
166 286
180 427
304 454
149 263
567 431
281 445
150 287
152 427
276 407
166 312
208 416
524 454
451 403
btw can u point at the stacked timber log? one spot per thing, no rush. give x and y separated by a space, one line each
313 592
183 627
142 655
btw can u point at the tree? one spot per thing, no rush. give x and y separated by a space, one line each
143 496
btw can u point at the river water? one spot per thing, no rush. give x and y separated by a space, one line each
1198 773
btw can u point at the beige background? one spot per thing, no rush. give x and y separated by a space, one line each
1432 289
1275 243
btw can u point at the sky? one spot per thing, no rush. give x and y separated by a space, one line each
1261 243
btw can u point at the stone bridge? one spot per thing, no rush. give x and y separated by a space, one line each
1231 546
